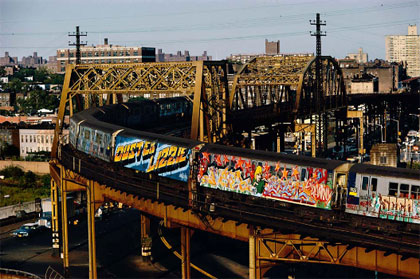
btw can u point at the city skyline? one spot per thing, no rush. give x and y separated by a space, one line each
221 28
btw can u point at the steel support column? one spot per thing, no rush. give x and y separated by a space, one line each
54 219
64 223
91 229
196 114
146 240
252 254
185 252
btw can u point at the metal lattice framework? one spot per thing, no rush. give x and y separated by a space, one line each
204 83
273 248
287 84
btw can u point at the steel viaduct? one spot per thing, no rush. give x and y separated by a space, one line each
280 92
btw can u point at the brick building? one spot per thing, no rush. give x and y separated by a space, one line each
7 60
360 57
33 61
272 48
103 54
179 56
388 74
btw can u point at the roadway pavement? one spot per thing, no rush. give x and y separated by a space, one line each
118 253
118 243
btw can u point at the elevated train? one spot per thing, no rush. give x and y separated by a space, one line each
222 174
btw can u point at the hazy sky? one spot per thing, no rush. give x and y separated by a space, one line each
221 27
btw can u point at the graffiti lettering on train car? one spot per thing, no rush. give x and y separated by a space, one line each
304 185
388 207
149 156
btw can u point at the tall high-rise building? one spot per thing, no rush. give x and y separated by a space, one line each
106 53
405 48
272 48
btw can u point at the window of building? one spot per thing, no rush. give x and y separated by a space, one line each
27 149
46 139
404 190
30 138
42 139
382 159
21 138
23 150
393 189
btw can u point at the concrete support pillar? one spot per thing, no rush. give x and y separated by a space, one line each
64 223
91 229
54 219
146 240
185 252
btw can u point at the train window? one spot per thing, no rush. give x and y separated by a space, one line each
393 188
98 138
303 175
404 190
365 182
87 134
374 183
415 191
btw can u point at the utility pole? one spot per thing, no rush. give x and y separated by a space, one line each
322 117
78 43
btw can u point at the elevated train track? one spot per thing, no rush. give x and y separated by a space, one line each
276 231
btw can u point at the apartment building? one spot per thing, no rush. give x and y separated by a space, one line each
104 54
405 48
36 139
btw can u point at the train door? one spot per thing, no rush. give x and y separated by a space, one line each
340 188
364 193
368 193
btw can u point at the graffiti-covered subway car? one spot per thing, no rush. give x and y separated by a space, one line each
296 179
384 192
152 153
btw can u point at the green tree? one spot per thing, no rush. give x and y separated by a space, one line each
41 75
15 85
38 99
28 180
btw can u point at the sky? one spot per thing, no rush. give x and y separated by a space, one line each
222 27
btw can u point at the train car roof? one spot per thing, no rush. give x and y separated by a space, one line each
169 100
272 156
386 171
183 142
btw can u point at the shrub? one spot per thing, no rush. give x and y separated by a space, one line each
12 172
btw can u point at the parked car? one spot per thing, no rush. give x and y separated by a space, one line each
26 230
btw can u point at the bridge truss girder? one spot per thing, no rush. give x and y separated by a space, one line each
283 89
203 82
270 249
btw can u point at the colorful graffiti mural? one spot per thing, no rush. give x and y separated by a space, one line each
275 180
151 156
